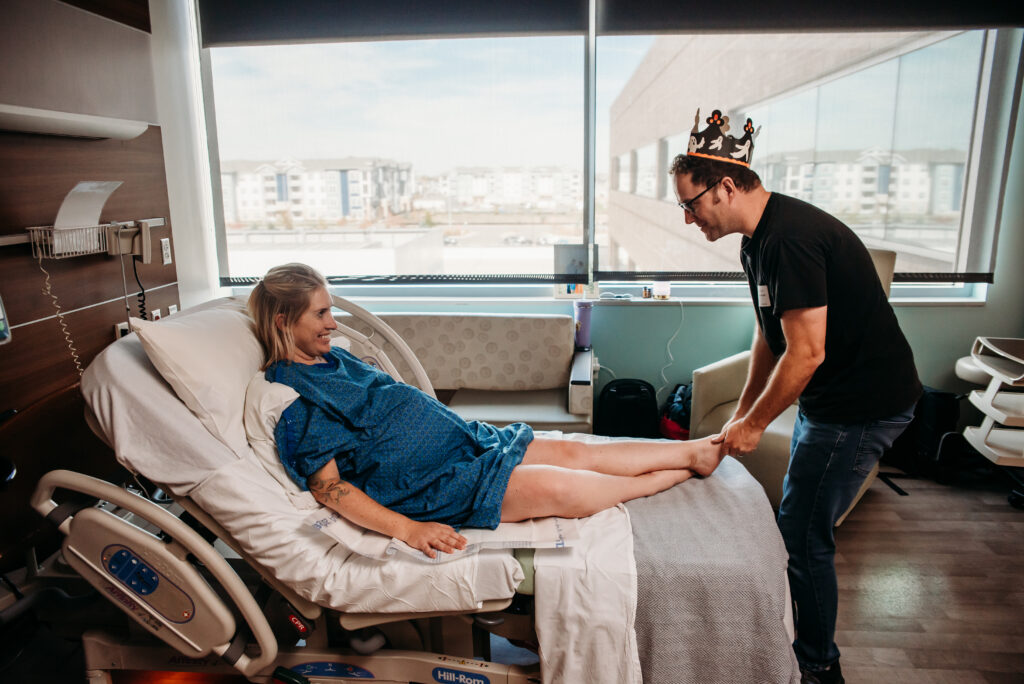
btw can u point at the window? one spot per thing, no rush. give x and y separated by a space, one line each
467 158
909 116
875 128
455 157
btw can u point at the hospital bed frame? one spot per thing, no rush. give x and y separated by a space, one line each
170 579
158 569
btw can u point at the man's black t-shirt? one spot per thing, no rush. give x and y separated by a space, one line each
800 257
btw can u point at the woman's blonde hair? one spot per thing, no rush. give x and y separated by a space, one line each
286 290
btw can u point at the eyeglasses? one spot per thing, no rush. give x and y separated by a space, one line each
687 205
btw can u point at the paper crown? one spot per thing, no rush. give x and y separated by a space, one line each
713 143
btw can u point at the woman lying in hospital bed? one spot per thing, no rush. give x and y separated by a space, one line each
392 459
688 585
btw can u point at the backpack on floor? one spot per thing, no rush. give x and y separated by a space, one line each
627 408
916 450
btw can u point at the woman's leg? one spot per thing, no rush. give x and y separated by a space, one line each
625 457
536 491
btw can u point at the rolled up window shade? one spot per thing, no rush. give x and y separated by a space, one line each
265 22
657 16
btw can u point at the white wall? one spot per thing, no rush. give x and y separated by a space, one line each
177 81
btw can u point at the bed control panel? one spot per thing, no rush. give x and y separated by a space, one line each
132 572
161 594
149 578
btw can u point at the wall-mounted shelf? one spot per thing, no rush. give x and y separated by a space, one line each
999 438
49 122
110 238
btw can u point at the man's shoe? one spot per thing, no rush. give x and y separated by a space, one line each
833 675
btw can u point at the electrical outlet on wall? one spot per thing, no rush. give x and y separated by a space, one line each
172 309
165 250
120 330
157 315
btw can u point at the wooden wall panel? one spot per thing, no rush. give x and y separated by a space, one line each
37 361
37 376
77 281
57 57
37 171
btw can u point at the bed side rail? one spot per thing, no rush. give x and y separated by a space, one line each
152 580
422 381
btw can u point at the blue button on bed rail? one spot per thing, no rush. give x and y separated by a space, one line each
133 573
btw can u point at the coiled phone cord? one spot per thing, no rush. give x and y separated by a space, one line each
48 292
142 291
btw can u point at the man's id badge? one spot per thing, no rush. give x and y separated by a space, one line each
763 298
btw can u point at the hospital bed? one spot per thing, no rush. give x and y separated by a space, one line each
231 576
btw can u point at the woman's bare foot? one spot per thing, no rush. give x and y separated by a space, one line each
704 456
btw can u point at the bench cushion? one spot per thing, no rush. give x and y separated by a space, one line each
541 409
486 351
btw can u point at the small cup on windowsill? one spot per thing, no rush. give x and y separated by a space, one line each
661 290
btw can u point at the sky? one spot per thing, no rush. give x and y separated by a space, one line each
518 101
434 103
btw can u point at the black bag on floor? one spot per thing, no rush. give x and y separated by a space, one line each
627 408
916 450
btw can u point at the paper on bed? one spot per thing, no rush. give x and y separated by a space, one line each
541 533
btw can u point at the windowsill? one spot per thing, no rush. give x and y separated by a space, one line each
524 299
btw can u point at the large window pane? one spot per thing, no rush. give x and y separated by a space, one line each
891 147
933 120
853 147
784 153
872 127
452 157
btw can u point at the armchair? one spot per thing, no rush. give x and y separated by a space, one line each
716 392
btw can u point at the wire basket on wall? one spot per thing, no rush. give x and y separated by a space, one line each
50 243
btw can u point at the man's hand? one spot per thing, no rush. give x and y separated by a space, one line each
738 438
429 536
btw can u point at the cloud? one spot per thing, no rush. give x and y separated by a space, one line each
434 103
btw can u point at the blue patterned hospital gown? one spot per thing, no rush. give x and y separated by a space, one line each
404 449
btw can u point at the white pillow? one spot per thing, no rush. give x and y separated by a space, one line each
265 401
207 356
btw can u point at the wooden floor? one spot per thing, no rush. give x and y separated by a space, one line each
931 585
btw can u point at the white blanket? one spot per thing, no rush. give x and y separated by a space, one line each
586 603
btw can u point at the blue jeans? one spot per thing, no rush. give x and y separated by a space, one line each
828 463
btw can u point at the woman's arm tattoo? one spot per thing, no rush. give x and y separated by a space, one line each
328 489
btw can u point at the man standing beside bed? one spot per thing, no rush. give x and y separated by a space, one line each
825 333
392 459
